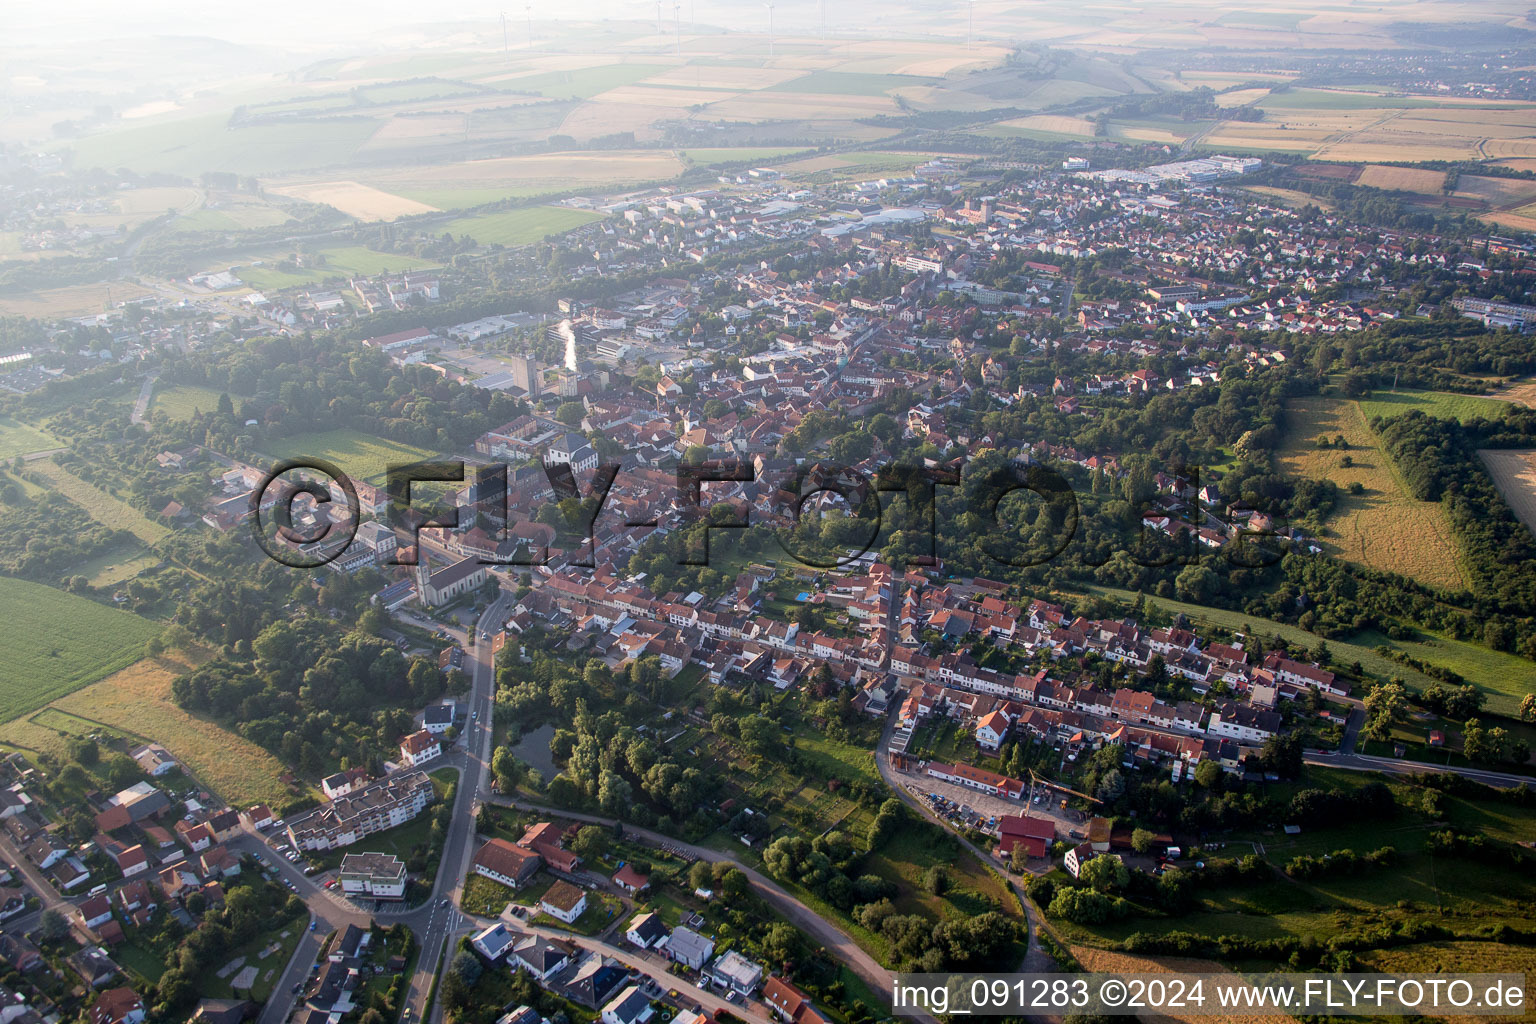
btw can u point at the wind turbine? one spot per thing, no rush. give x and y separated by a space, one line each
823 19
504 46
970 21
658 17
528 10
769 5
677 24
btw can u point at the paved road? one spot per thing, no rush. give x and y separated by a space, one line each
51 898
438 921
141 404
432 922
839 945
1395 766
1036 959
648 963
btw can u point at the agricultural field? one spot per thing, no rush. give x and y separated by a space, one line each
360 455
56 642
844 83
1403 179
1052 125
103 507
191 145
1384 527
18 438
339 262
738 155
70 300
364 202
1432 403
1514 474
230 213
475 182
134 207
521 226
136 701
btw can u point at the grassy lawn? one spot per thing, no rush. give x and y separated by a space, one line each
117 563
600 913
102 506
519 227
340 262
268 953
17 438
1384 526
146 963
358 454
1460 894
483 896
180 401
56 642
1432 403
137 702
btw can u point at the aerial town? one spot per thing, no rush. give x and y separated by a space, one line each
1090 537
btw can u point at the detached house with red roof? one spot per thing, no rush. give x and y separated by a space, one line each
419 747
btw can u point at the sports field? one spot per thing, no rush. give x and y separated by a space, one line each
519 227
1384 527
54 642
360 455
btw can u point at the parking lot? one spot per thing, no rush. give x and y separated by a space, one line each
968 807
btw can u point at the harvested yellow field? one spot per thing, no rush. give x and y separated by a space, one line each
1289 198
72 300
1100 961
1403 179
411 129
1459 958
1497 148
1496 191
1384 527
659 96
733 79
591 120
1241 97
356 200
766 105
137 701
1059 124
1514 474
552 170
1520 392
1227 79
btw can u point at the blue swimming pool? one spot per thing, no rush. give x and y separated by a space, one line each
803 596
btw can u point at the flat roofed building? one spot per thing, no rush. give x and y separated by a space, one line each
379 876
391 801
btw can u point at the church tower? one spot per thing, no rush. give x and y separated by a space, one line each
423 577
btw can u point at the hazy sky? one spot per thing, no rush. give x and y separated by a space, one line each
306 25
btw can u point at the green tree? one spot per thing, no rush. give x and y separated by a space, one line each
1105 873
570 413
